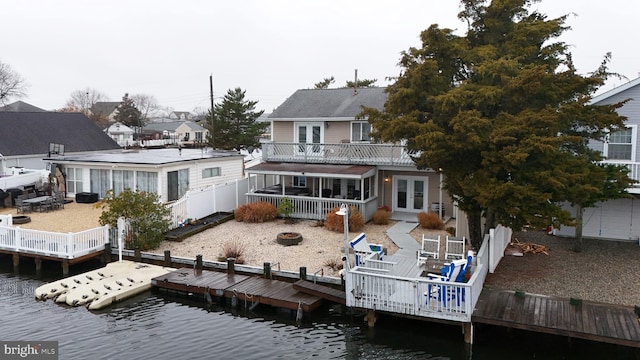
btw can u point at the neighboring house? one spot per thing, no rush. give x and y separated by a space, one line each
28 137
121 134
324 157
167 172
617 219
20 106
105 110
180 115
186 133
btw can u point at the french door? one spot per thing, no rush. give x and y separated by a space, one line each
309 133
410 193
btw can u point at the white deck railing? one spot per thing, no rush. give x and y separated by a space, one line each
634 169
377 289
348 153
59 245
308 207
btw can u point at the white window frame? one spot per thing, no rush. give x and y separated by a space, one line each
361 124
74 176
634 134
211 172
300 181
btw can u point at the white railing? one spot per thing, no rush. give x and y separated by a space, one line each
348 153
374 288
307 207
634 169
60 245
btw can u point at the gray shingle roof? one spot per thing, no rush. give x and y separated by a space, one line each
329 103
21 106
27 133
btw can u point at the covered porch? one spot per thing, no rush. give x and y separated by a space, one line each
315 189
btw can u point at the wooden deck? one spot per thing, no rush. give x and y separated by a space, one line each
590 321
325 292
246 288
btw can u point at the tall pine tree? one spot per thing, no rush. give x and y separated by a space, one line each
234 122
502 112
128 114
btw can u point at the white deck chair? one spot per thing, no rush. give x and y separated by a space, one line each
455 248
430 249
362 249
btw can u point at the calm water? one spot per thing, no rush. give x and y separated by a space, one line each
160 326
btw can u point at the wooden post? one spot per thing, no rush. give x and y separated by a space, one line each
16 262
371 318
107 254
199 262
65 268
266 270
467 330
231 266
167 258
303 273
38 261
137 255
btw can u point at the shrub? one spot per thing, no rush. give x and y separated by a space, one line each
285 208
234 249
256 212
451 230
335 222
381 217
334 264
430 220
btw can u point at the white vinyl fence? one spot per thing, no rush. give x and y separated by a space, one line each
60 245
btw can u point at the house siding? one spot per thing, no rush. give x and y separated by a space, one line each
283 132
615 219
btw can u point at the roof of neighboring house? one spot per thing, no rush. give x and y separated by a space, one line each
119 128
21 106
171 126
150 157
29 133
178 114
615 91
104 108
329 103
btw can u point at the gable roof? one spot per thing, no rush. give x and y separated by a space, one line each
329 103
171 126
104 108
615 91
21 106
29 133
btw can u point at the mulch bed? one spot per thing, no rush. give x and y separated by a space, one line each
197 226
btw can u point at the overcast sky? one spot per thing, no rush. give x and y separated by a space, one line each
269 48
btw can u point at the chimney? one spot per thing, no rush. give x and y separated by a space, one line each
355 83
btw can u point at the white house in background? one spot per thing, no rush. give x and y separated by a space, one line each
167 172
180 115
122 134
186 133
617 219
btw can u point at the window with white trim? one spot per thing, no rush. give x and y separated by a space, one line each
74 180
620 145
210 172
360 131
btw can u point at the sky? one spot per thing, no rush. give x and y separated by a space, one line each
269 48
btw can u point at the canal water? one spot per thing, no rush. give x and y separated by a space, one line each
156 325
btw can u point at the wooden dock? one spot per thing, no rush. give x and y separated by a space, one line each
558 316
246 288
325 292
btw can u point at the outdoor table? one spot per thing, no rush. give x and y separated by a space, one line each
36 201
434 266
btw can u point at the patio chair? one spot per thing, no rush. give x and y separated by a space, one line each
430 249
58 201
21 206
455 248
362 249
442 291
46 205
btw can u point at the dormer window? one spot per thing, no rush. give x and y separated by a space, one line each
360 131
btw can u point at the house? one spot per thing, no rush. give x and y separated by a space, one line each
167 172
121 134
20 106
321 156
180 115
185 133
105 110
28 137
617 219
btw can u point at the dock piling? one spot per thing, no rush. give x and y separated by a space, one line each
231 269
303 273
167 258
267 270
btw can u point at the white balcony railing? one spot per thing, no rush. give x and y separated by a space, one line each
59 245
348 153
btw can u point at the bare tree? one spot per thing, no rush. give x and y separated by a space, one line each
12 84
147 105
82 100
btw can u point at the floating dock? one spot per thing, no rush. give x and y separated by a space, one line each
253 290
102 287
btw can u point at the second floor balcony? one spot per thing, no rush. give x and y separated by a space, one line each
344 153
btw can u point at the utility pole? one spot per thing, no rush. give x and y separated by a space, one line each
211 88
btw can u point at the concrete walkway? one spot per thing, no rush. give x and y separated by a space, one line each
399 234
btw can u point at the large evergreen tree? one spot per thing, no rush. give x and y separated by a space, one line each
504 115
128 114
234 122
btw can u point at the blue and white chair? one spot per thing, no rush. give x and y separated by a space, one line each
363 250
